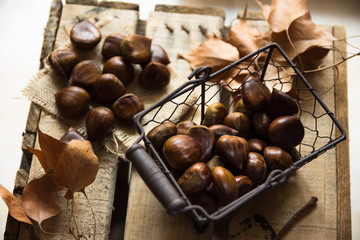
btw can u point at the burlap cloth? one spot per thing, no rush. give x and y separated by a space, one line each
45 83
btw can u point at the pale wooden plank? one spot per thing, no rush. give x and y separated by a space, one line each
342 149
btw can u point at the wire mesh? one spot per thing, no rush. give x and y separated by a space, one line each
269 64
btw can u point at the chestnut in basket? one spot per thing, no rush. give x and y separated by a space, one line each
214 162
136 48
72 101
159 134
255 94
99 123
125 108
195 179
220 130
183 126
281 104
261 122
225 185
120 68
85 73
239 106
206 139
244 184
107 88
215 114
111 45
240 122
181 151
233 150
255 168
277 158
256 145
154 76
62 61
286 131
85 35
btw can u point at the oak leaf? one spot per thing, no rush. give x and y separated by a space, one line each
77 166
14 205
40 199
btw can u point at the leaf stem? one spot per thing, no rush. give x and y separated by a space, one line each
295 217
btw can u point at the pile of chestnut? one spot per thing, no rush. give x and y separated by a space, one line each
104 90
231 153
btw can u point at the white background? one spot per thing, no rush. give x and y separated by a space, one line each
22 24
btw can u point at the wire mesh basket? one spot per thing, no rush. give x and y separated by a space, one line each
272 66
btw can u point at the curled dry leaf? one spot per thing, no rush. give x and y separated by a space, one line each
40 200
14 205
41 158
77 166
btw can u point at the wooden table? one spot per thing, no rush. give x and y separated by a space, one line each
132 208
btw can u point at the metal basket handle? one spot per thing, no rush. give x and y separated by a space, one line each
155 179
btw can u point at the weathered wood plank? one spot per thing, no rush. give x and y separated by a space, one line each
342 149
210 11
108 4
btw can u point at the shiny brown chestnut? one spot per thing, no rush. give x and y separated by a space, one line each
159 134
71 134
63 61
277 158
125 108
294 153
261 122
181 151
255 94
154 76
195 179
256 145
99 123
205 199
255 168
72 101
220 129
240 122
85 35
85 73
136 48
225 185
111 45
215 161
107 88
281 104
232 150
286 132
205 137
158 54
239 106
244 184
183 126
120 68
214 114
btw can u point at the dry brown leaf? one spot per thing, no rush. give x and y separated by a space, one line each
14 205
39 155
51 149
281 13
306 37
214 52
40 200
77 166
245 38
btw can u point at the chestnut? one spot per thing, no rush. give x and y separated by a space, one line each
239 106
125 108
261 122
107 88
215 161
220 129
232 150
281 104
120 68
286 132
240 122
111 45
244 184
255 168
195 179
85 35
158 54
72 101
85 73
225 185
277 158
256 145
155 75
63 61
159 134
255 94
70 135
99 123
136 48
206 139
205 199
183 126
214 114
181 151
